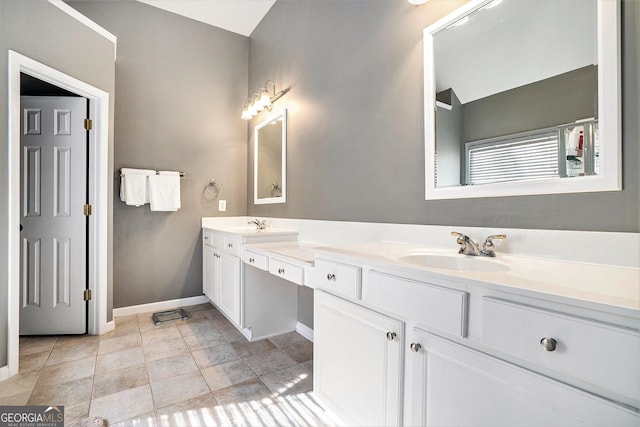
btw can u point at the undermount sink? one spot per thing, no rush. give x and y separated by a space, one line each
453 262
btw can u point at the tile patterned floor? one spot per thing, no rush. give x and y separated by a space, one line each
199 372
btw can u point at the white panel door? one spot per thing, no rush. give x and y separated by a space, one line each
229 291
54 236
357 364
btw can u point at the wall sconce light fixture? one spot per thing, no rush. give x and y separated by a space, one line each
261 100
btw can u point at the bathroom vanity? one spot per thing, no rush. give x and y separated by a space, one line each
453 340
414 333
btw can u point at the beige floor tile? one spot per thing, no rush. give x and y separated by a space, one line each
292 380
16 399
119 360
266 363
246 348
201 327
119 380
202 411
177 389
71 350
144 420
202 340
213 314
303 410
194 315
162 348
77 411
76 341
222 323
300 351
227 374
30 345
67 394
212 356
33 361
65 372
232 335
308 365
199 307
18 384
158 335
170 367
252 391
123 405
289 338
117 343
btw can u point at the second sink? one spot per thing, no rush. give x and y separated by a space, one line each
453 262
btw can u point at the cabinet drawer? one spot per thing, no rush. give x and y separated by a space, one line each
255 260
600 354
431 307
290 272
338 278
209 238
232 245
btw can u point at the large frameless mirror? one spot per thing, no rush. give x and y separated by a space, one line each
270 160
522 97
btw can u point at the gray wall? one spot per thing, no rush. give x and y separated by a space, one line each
180 88
42 32
550 102
355 148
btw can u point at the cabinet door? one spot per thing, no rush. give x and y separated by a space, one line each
210 269
229 292
454 385
357 362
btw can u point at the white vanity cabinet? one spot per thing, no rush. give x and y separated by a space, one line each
357 366
221 273
470 354
223 278
452 384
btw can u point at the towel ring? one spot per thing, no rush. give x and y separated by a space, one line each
209 194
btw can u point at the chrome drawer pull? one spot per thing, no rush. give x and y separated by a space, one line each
251 260
331 276
229 245
415 347
548 344
391 336
281 270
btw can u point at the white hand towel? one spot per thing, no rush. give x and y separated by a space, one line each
134 189
164 191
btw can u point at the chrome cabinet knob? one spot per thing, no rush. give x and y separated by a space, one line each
229 245
331 276
391 336
548 344
415 347
251 260
281 270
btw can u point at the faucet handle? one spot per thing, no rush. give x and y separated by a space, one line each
490 239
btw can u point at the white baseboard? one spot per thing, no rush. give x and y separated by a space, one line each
4 372
159 306
305 331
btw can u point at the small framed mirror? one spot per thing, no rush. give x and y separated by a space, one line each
270 160
522 97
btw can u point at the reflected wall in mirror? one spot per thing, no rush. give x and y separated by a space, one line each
270 160
522 97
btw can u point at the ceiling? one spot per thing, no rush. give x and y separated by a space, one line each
238 16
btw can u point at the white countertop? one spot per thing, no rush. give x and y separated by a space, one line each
296 250
601 284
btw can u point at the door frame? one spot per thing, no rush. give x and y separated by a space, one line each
98 189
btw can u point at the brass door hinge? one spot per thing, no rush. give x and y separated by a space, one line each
87 210
86 295
88 124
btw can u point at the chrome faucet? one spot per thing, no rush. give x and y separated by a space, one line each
260 225
469 247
